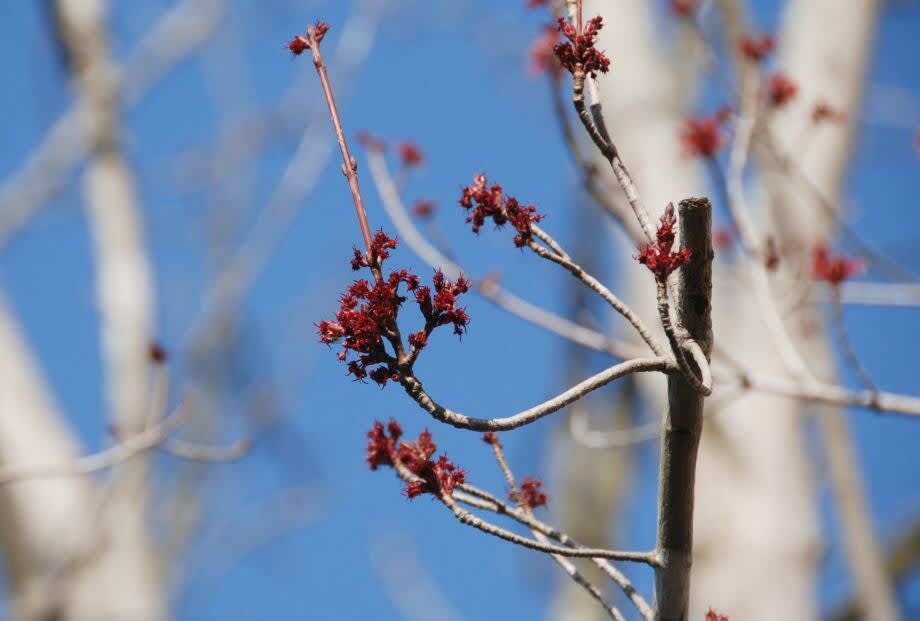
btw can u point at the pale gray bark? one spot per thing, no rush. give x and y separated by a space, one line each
829 67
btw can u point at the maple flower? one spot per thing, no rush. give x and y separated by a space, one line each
834 269
490 202
683 8
659 257
530 495
437 477
781 90
410 155
702 136
579 50
712 615
534 4
542 55
367 315
300 44
756 48
423 209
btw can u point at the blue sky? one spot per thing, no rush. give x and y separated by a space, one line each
451 76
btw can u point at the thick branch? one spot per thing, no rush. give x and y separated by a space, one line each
684 420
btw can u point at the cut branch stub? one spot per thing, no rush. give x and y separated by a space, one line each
684 420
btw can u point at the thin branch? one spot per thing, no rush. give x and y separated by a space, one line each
349 164
470 519
677 347
177 34
484 500
567 566
592 283
414 389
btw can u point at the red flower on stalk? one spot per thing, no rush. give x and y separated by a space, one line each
300 44
438 478
410 155
702 136
579 50
531 496
658 257
490 202
712 615
834 269
367 315
781 90
756 48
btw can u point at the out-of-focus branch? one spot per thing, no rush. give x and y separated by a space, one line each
124 293
412 589
44 521
829 65
131 447
901 559
176 35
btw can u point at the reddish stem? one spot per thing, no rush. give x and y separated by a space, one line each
350 165
578 27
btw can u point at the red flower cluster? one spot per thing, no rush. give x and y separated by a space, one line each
441 310
490 202
531 496
367 314
542 52
300 44
423 209
702 136
683 8
712 615
781 90
658 257
755 48
410 155
834 269
438 478
579 50
533 4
